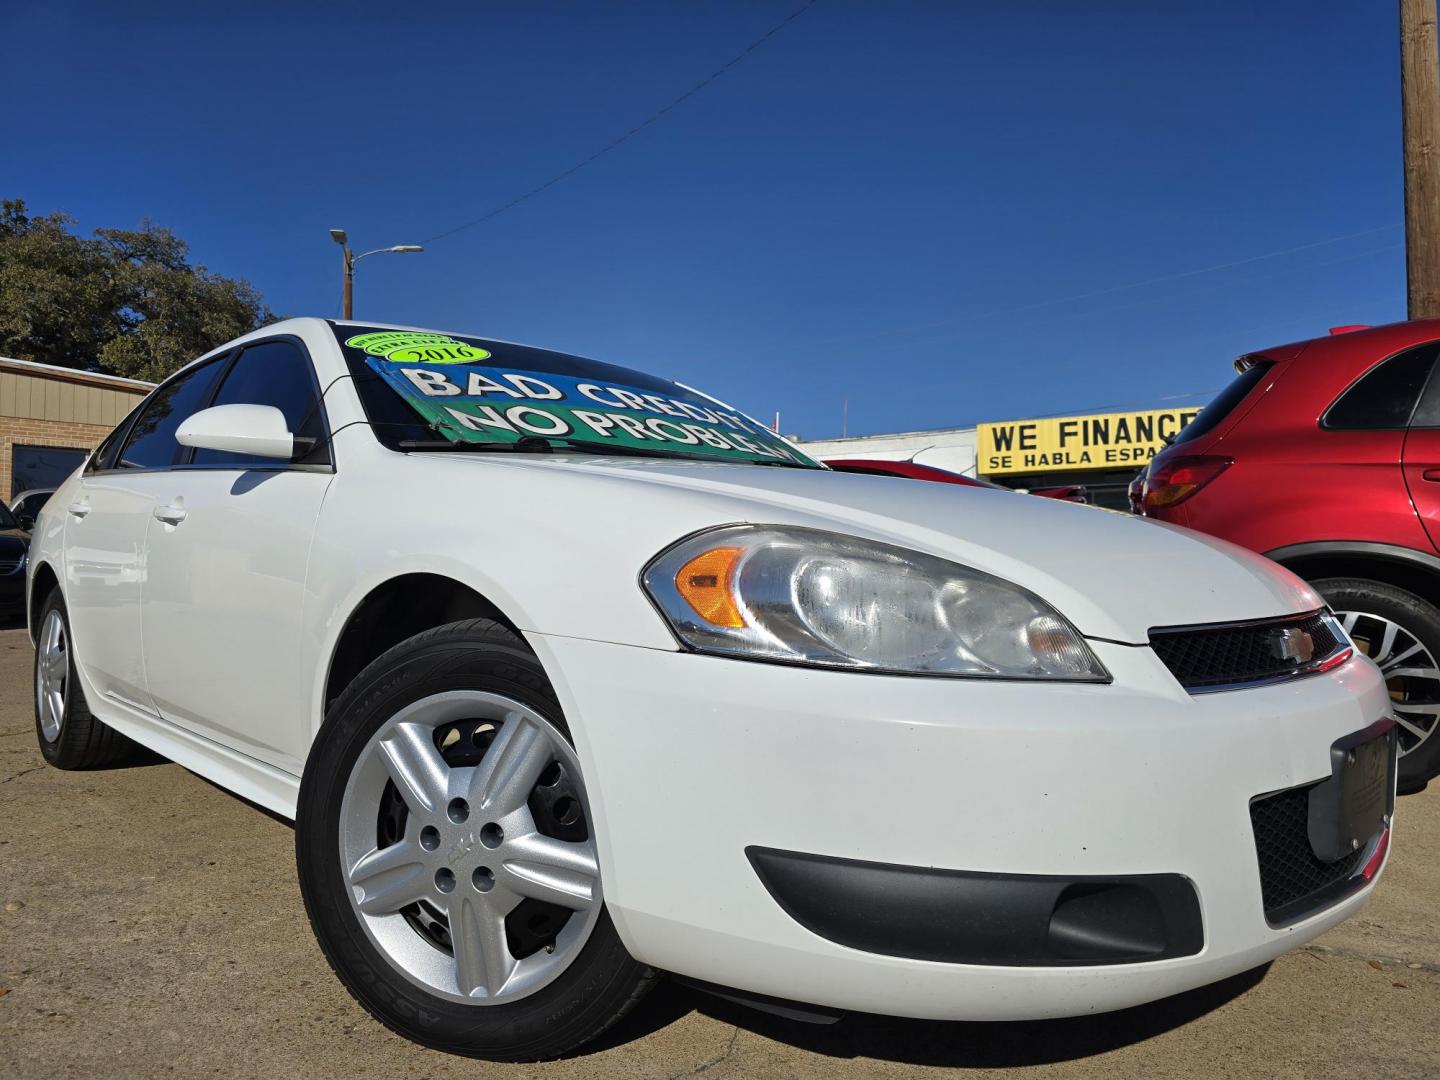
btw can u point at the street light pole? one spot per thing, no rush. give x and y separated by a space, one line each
348 294
349 291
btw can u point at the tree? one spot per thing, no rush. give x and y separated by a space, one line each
127 301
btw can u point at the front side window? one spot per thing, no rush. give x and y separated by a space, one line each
151 443
1384 397
431 391
275 373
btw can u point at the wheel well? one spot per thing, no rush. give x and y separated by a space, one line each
401 608
1415 577
40 588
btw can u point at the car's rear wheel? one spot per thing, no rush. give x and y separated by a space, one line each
1401 633
69 734
447 856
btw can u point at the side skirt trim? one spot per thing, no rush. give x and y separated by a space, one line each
264 784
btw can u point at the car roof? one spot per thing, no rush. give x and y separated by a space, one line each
367 325
1372 341
297 323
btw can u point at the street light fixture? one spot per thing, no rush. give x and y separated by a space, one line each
340 237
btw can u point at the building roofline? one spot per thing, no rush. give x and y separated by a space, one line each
975 426
74 375
890 435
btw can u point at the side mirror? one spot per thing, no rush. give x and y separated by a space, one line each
25 521
239 429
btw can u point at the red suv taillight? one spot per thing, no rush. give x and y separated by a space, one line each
1171 482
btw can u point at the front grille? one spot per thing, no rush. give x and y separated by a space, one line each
1239 654
1293 881
9 565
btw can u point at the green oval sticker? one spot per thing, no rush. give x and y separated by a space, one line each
411 347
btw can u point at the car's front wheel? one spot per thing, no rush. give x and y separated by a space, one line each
447 855
1401 633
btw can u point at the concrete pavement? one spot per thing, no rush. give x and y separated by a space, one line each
150 925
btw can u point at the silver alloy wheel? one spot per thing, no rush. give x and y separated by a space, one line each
470 849
52 675
1411 675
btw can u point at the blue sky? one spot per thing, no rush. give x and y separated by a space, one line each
944 212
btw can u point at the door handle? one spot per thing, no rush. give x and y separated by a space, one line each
79 509
170 514
1433 475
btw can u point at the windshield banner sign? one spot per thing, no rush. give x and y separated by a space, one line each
467 402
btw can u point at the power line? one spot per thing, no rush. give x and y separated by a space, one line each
1119 288
636 129
978 331
1296 319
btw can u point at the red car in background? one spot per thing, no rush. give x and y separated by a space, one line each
914 471
1325 456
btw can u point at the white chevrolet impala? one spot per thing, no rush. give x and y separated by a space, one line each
570 675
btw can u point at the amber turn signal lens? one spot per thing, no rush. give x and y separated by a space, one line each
705 583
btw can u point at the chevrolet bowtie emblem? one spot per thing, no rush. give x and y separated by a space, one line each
463 847
1294 644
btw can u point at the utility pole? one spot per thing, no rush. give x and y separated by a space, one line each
348 294
1420 103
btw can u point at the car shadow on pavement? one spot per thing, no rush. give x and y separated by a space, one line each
936 1043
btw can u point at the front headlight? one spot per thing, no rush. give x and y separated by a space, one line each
803 596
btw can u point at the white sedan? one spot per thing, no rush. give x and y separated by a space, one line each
570 675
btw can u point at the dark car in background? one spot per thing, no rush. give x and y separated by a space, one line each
1325 456
25 507
14 553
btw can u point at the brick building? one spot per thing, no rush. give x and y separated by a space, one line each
50 417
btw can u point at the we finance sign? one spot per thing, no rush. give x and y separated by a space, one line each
1063 443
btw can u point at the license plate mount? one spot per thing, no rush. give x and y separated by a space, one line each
1351 808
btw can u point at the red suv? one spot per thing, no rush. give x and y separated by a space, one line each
1325 456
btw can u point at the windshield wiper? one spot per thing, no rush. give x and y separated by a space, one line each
546 444
600 449
530 444
521 447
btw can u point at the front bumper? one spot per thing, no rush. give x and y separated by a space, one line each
690 760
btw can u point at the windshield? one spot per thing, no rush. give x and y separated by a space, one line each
1225 401
433 391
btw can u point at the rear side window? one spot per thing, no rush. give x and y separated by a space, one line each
1427 413
104 455
1384 397
273 373
1225 402
151 443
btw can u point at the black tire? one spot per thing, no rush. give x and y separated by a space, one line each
602 983
1416 616
83 741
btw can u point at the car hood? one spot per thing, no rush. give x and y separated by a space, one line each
1113 575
